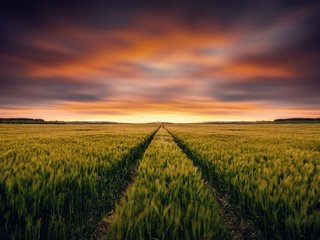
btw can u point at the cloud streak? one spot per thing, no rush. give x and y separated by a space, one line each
210 60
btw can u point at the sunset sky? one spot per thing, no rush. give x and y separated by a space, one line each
180 61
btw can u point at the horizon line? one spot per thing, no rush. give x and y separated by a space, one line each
40 120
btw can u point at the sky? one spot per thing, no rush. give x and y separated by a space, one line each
142 61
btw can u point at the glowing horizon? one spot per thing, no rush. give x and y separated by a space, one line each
143 62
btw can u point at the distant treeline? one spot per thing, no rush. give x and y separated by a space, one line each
298 120
27 121
41 121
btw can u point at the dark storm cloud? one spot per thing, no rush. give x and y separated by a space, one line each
15 91
302 56
288 91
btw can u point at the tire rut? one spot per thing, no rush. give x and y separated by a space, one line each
102 227
239 228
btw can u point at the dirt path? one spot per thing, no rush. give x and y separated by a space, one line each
239 228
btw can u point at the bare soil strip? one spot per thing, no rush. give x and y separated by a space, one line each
239 228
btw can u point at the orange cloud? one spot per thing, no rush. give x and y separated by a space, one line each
152 63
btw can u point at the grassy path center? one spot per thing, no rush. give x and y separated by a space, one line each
168 199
